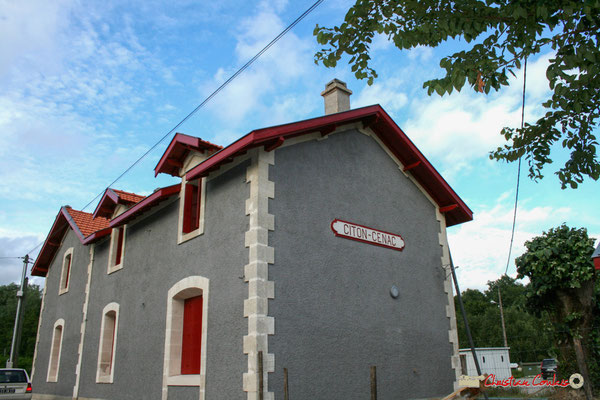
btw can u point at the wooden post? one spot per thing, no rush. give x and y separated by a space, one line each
260 376
286 394
373 383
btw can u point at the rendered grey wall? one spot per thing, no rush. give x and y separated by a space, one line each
153 263
334 316
67 306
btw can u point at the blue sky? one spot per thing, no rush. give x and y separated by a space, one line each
87 87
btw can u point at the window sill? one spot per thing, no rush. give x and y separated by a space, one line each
114 269
184 380
63 291
184 237
104 379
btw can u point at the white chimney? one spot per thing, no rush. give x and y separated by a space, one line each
337 97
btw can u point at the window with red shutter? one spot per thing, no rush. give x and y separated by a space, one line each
117 249
67 271
120 240
192 203
192 336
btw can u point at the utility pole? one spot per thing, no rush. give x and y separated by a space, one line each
16 339
464 315
502 317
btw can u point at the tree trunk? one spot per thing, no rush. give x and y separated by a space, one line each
583 369
579 301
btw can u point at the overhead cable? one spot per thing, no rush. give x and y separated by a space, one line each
512 234
206 100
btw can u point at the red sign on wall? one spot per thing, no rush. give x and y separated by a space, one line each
367 235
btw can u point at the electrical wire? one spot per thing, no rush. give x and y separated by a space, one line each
213 94
512 234
206 100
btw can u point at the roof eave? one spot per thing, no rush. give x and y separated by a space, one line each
371 116
49 248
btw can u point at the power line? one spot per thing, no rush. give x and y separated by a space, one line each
512 235
206 100
231 78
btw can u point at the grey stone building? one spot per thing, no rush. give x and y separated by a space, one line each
318 246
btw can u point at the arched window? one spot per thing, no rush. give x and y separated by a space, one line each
185 339
55 350
108 343
66 271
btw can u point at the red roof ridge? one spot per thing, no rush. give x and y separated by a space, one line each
86 223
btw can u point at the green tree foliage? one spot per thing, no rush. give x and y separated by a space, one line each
499 35
562 283
529 336
8 308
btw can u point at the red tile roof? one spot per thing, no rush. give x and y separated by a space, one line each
82 223
86 223
111 198
129 197
89 229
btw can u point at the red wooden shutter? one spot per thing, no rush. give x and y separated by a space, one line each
191 211
68 270
196 206
192 336
119 246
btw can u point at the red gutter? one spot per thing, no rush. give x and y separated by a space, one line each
146 203
97 235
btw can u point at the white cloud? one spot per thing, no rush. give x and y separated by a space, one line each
389 94
259 89
29 31
481 247
420 54
459 128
